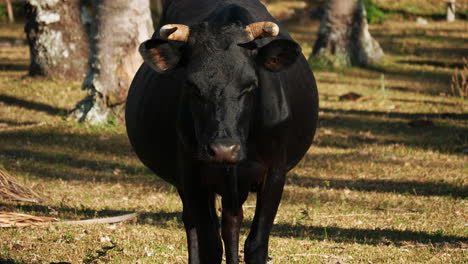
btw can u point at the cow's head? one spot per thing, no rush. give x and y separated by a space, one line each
228 80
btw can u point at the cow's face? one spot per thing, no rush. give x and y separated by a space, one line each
222 83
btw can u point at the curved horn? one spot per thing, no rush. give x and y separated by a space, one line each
262 30
177 32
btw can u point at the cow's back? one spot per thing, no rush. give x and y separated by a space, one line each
191 12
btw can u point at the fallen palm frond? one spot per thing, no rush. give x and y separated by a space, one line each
23 220
107 220
12 190
8 219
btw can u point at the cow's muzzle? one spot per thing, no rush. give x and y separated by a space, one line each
228 153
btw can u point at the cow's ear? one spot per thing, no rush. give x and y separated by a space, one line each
278 54
160 55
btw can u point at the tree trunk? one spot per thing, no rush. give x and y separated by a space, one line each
344 38
118 29
450 10
11 16
158 6
57 40
156 11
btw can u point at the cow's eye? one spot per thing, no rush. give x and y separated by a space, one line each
196 92
193 89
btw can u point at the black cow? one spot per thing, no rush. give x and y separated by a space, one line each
224 104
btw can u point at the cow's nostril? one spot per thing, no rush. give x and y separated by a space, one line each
210 151
224 153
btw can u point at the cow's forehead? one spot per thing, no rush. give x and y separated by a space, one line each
215 59
219 67
206 38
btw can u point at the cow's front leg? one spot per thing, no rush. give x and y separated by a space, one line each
268 199
202 227
231 222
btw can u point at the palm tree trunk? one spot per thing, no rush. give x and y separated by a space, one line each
344 38
450 10
11 16
118 29
57 39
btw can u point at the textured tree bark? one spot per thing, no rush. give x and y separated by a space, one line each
57 40
118 28
158 6
450 10
11 16
344 38
156 10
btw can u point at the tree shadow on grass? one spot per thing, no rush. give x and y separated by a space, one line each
434 63
71 141
10 261
410 15
10 100
435 81
388 128
435 57
426 80
445 115
45 165
433 102
60 211
12 41
350 82
14 123
387 38
364 236
383 186
13 67
67 156
336 234
443 52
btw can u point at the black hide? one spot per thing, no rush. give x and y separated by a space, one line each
220 114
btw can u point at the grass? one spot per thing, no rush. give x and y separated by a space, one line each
377 186
405 9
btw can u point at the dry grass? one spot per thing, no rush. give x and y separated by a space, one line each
460 81
412 8
285 9
385 181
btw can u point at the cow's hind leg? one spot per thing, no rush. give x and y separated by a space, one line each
268 199
202 227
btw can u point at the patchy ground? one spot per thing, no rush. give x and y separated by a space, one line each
385 182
